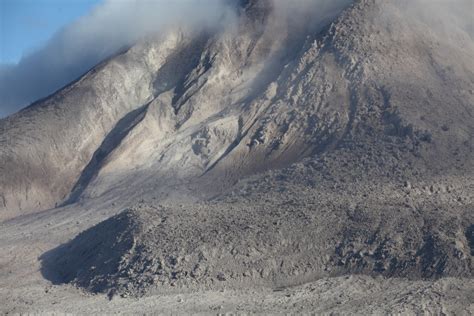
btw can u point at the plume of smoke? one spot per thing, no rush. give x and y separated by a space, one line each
81 45
118 23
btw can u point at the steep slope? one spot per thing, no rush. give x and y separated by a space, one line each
195 112
370 76
183 95
45 147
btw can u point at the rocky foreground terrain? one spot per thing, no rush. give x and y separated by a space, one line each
323 164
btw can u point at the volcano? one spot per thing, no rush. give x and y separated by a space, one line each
332 152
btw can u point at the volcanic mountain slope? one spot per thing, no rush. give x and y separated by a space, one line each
268 154
216 106
186 97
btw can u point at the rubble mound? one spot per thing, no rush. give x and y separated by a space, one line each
275 242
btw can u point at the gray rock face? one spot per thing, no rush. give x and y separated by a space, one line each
213 107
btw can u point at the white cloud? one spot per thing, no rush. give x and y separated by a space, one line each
84 43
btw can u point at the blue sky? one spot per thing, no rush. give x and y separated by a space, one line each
26 25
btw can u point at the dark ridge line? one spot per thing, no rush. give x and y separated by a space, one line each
109 144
